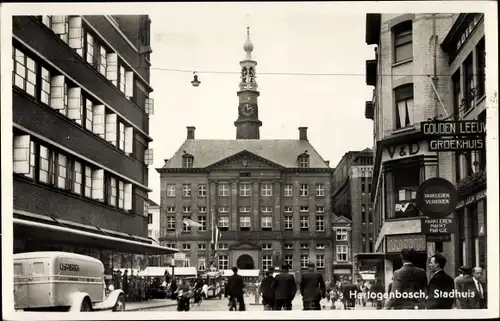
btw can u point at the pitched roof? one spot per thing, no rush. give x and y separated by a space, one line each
283 152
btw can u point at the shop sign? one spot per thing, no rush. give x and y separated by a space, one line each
403 150
437 197
438 237
396 243
179 256
341 271
405 209
465 35
437 226
462 135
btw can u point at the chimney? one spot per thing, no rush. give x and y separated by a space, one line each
303 133
190 132
327 163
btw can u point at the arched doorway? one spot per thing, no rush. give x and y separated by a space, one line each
245 262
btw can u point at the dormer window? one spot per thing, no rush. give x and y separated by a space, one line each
187 161
303 161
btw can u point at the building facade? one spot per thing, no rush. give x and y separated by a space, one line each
154 221
409 63
342 265
268 198
81 110
352 182
465 45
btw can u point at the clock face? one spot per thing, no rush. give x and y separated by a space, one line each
248 109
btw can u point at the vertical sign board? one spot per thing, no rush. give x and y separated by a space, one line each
462 135
437 198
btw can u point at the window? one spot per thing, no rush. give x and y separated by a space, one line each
121 136
32 158
112 191
170 209
245 189
102 60
342 251
62 171
111 127
363 181
150 218
45 165
304 246
457 94
223 262
223 209
404 182
122 79
288 223
304 223
341 234
244 209
202 263
202 247
187 161
288 190
91 49
289 260
170 223
202 219
202 190
266 209
89 114
186 247
202 209
266 190
304 209
45 86
303 161
245 223
24 73
267 246
288 246
266 223
468 83
320 190
320 223
77 177
170 190
403 44
480 68
288 209
320 261
223 222
186 227
223 246
88 181
145 209
320 209
171 245
304 190
60 26
320 246
186 209
267 262
404 106
186 190
47 20
304 261
223 190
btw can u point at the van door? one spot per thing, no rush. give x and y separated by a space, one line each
21 297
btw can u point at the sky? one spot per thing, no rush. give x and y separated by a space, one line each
293 39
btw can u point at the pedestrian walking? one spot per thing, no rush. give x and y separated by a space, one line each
284 289
409 284
465 276
312 288
267 291
378 289
235 286
441 285
474 285
125 283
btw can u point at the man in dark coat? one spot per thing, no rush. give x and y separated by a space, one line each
477 289
266 290
312 288
441 285
235 286
411 280
350 294
284 288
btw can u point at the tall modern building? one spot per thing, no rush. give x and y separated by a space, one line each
81 111
410 78
270 199
351 185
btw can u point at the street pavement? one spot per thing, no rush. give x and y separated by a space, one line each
222 305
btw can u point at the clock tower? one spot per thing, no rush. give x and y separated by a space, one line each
248 123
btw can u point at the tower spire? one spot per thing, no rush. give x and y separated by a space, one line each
248 78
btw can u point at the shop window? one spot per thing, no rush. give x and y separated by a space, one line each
401 190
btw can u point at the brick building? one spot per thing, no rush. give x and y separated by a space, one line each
268 198
351 185
81 110
407 52
465 45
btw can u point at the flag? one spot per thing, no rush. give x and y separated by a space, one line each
191 223
217 238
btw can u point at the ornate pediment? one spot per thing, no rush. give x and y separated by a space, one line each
245 245
244 160
342 221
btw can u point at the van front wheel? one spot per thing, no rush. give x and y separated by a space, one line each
120 304
85 306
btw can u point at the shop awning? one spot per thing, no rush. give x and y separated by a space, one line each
64 233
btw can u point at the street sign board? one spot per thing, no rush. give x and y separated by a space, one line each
179 256
437 197
437 226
